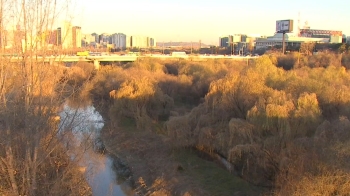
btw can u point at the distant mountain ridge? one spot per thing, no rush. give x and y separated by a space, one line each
182 44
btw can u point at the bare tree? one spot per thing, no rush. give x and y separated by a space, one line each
33 161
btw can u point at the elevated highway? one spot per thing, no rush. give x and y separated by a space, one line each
66 58
126 58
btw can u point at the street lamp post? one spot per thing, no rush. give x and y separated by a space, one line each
283 42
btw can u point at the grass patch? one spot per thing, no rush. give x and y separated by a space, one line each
128 124
158 128
216 180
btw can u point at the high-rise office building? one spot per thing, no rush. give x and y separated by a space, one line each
53 37
104 39
224 41
96 37
12 37
76 36
151 42
238 38
227 41
66 35
59 36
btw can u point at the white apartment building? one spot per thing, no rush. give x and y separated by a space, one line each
138 41
128 41
119 40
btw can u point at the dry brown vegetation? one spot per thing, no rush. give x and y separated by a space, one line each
34 160
287 130
33 156
264 118
321 59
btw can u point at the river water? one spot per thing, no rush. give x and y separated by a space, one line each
80 128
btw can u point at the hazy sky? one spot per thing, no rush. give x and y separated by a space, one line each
206 20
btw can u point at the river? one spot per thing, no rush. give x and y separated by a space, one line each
80 128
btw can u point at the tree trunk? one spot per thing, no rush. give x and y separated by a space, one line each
11 170
34 172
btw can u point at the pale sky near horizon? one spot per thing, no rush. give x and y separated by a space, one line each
206 20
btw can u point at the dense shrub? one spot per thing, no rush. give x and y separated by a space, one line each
265 118
257 117
321 59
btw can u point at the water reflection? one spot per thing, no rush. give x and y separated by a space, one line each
79 128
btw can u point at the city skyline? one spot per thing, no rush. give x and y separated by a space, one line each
206 21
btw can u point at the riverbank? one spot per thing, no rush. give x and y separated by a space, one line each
158 168
81 128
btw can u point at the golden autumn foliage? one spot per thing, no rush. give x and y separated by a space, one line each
265 120
278 106
142 100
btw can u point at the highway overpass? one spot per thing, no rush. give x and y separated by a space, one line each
126 58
